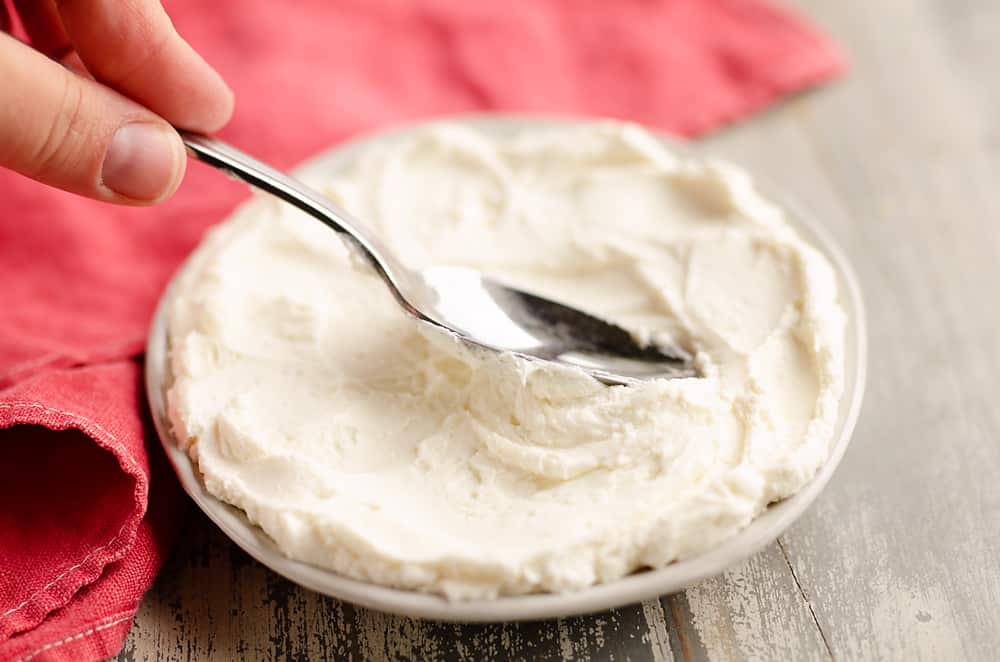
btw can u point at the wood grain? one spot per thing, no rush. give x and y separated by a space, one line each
213 601
900 557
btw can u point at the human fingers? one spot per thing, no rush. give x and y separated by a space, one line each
76 134
132 46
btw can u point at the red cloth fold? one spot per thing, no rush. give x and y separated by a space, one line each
89 508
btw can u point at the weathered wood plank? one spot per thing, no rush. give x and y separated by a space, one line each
214 602
754 612
899 558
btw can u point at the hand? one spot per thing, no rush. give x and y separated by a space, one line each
103 131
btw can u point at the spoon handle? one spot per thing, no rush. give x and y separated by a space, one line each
242 166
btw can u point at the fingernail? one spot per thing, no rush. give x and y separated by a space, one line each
144 162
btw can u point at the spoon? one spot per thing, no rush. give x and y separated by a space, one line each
476 309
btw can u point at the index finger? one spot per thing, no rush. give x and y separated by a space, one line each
132 46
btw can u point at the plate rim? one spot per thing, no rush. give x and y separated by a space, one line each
676 576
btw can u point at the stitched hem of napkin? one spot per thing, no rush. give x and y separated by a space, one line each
93 640
67 581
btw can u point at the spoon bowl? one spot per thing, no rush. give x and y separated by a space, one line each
488 314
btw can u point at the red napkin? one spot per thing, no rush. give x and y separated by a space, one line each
89 507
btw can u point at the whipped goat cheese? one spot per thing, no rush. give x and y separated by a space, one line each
363 443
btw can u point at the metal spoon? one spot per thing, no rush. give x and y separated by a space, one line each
478 310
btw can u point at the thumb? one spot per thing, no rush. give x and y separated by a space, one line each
71 132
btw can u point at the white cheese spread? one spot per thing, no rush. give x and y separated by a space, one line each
361 443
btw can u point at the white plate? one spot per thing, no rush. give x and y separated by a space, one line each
633 588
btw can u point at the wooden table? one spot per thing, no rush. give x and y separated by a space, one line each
900 557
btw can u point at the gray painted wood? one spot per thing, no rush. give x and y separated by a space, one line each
900 557
213 601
